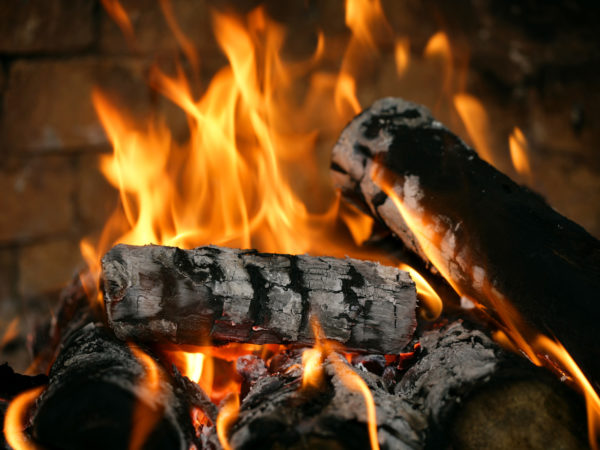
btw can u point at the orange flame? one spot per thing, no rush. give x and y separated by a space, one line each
119 15
12 331
145 417
518 152
354 382
226 418
529 341
475 119
431 300
402 55
15 420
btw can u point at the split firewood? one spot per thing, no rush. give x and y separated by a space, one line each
476 395
214 294
100 395
279 413
497 242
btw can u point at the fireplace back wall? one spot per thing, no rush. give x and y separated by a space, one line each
531 64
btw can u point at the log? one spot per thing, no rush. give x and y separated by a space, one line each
498 243
215 294
96 399
277 413
476 395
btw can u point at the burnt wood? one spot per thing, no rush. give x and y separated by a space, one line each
476 395
215 294
278 413
96 399
498 242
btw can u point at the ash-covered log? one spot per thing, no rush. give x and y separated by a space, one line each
498 242
214 294
476 395
100 396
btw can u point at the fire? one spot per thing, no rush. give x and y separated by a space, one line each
518 152
530 342
354 382
227 416
431 300
15 420
144 419
475 119
402 55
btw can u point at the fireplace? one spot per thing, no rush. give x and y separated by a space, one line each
105 106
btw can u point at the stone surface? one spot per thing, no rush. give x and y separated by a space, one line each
40 26
47 104
47 267
36 198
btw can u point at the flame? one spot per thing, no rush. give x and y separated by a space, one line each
402 55
194 363
312 359
354 382
12 331
475 119
145 416
431 300
518 152
119 15
532 343
15 420
226 418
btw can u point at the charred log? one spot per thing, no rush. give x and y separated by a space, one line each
97 399
278 413
213 294
476 395
498 242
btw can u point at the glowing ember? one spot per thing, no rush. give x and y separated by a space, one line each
15 420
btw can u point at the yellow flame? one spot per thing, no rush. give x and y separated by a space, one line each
557 352
432 302
15 420
354 382
194 364
518 152
227 416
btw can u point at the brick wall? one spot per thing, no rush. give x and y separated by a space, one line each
532 65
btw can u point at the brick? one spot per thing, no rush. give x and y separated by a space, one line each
96 198
152 32
36 199
48 106
31 26
48 267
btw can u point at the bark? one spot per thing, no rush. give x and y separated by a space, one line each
498 242
476 395
277 413
215 294
96 399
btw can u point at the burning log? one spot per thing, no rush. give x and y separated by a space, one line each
477 395
100 395
497 242
279 413
213 294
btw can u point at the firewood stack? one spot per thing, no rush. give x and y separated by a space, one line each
436 385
